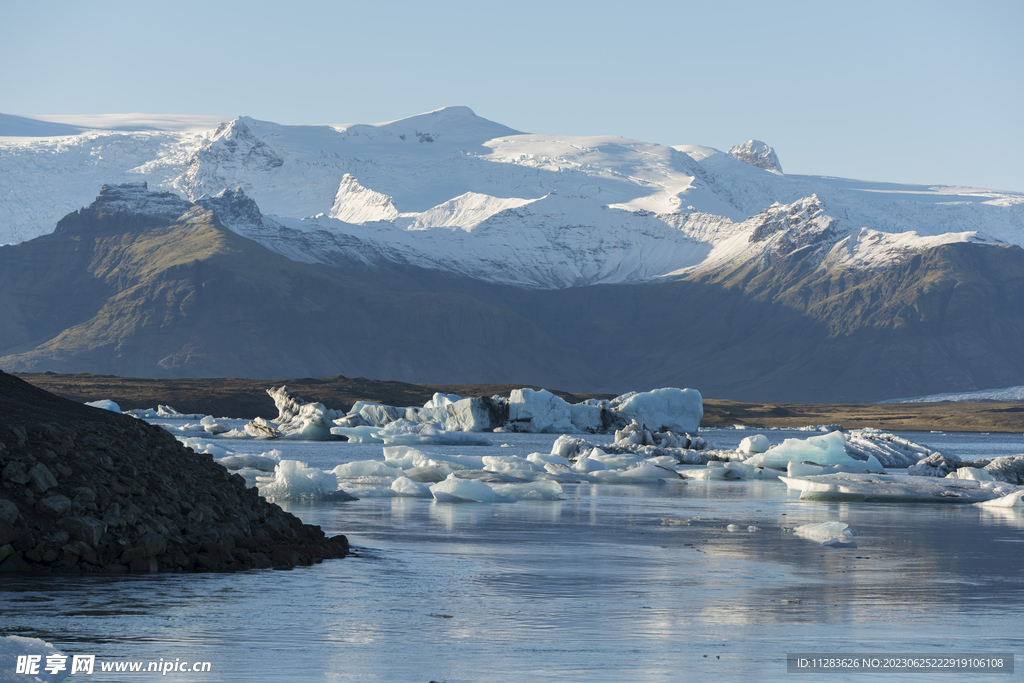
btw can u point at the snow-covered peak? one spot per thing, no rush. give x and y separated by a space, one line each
137 198
354 203
233 153
757 153
451 125
234 209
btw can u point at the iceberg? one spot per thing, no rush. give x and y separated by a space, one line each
668 409
890 488
641 473
509 463
1008 468
408 433
366 468
935 465
105 405
888 449
403 486
1011 500
297 480
758 443
265 462
826 531
455 490
829 449
297 419
538 412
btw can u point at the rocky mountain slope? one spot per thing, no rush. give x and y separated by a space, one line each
143 283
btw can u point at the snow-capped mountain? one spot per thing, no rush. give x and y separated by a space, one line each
451 191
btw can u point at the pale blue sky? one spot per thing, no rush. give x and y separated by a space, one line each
924 92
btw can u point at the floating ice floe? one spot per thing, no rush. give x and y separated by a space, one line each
893 488
535 490
826 531
166 412
733 470
455 490
407 433
758 443
829 449
294 480
1012 500
14 647
105 405
265 462
200 445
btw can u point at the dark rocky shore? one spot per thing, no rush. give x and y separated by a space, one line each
87 490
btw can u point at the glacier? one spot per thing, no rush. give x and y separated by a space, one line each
450 190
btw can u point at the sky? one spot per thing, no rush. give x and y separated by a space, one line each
918 92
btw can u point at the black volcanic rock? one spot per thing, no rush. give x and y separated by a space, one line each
87 490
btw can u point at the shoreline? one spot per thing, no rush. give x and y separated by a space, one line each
233 397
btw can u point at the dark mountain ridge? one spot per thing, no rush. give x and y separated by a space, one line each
124 287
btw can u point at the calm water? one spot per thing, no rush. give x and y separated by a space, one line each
594 587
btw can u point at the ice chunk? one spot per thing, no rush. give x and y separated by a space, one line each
362 434
588 418
642 473
829 449
888 449
300 420
406 432
428 474
721 471
456 414
1012 500
366 468
614 462
1008 468
826 531
506 463
404 486
376 414
758 443
105 405
535 490
455 490
669 409
538 412
13 647
935 465
259 428
297 480
888 488
266 462
970 473
807 469
203 446
541 459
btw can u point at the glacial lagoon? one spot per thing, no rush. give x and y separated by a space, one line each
640 582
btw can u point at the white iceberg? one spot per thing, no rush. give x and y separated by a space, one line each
507 463
455 490
203 446
758 443
297 419
668 409
105 405
297 480
826 531
406 432
538 412
1011 500
265 462
888 449
366 468
403 486
890 488
829 449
